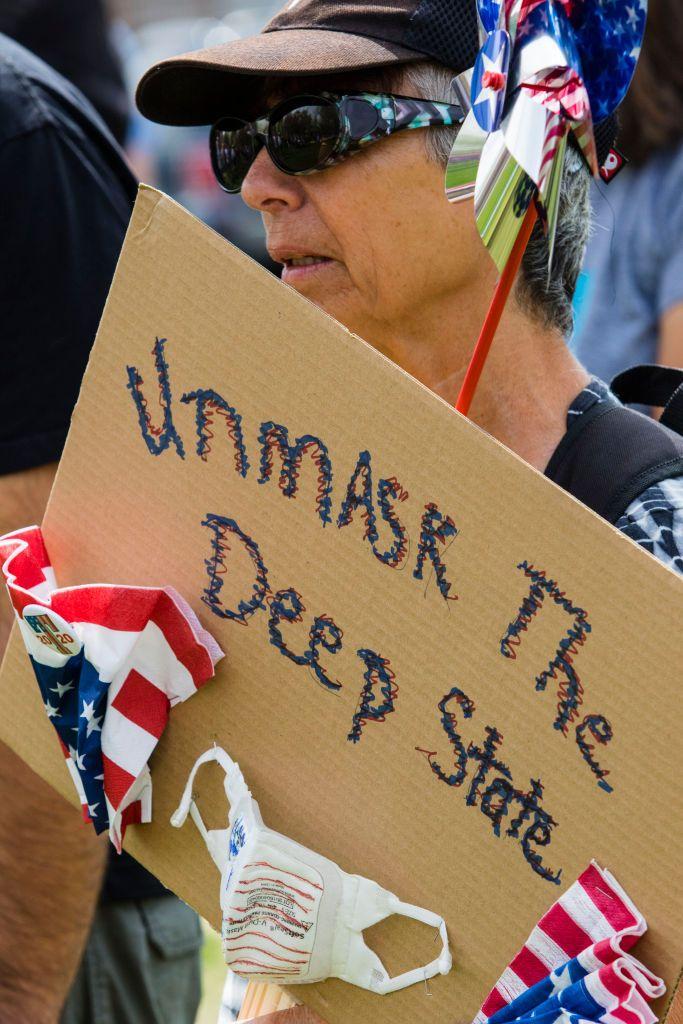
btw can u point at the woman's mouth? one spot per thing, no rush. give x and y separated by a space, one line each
298 268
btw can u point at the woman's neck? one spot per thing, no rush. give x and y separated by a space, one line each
529 381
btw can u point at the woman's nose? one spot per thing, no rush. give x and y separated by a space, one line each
266 187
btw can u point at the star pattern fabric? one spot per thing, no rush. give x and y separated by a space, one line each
490 13
110 662
609 34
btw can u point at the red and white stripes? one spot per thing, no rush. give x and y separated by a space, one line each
597 922
147 649
269 921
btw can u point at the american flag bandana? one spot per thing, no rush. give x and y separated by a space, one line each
110 662
576 966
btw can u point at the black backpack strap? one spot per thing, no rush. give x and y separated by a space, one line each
611 454
660 386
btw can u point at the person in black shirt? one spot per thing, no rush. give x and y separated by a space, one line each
67 197
72 37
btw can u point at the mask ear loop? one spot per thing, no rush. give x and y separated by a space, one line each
441 965
187 804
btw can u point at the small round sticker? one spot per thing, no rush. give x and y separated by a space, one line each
489 80
51 629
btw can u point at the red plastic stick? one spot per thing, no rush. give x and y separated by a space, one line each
500 297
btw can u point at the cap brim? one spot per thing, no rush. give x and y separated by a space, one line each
199 87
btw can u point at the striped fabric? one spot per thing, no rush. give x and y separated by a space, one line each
110 662
576 965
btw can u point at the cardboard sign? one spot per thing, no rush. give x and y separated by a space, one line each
442 672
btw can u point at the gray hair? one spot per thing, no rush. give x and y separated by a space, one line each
546 297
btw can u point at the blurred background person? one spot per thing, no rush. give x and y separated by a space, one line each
72 36
103 48
630 297
68 194
177 161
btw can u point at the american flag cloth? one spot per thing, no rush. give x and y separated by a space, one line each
576 965
110 662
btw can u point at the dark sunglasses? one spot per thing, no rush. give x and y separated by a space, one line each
307 133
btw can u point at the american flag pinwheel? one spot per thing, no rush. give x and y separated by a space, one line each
546 68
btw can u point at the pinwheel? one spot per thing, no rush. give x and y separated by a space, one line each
547 69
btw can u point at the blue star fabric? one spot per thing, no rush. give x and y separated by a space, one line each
490 12
76 701
609 35
489 80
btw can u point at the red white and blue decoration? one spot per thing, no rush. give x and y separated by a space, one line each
110 663
489 80
546 68
491 13
576 965
609 35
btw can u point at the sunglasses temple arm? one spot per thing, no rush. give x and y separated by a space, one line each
440 115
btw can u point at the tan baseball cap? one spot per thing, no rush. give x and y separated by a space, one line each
310 37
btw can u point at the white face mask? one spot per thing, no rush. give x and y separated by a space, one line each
290 915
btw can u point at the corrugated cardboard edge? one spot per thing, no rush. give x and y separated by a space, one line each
674 1010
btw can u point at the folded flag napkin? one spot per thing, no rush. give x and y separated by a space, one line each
575 965
110 662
